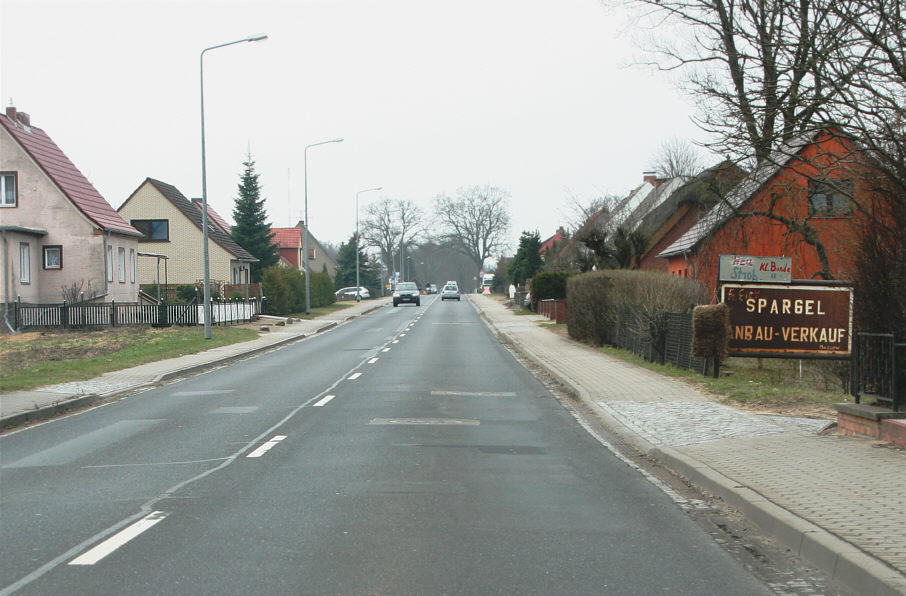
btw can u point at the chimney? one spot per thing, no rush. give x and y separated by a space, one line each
23 118
650 178
11 112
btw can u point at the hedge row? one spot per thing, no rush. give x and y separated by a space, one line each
284 288
600 302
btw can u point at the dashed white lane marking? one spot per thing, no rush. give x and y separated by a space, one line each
476 393
395 341
402 335
323 401
353 376
266 447
385 350
372 361
103 549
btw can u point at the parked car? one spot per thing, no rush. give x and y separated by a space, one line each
353 293
406 291
450 292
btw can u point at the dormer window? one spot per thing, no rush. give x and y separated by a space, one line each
153 230
9 195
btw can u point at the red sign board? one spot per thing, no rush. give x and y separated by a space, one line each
787 320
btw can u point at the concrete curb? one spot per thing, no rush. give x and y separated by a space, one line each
833 555
67 404
839 559
51 411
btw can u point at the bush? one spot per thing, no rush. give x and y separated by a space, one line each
600 302
284 288
549 286
186 293
322 290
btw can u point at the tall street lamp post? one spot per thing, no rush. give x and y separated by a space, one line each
305 243
357 283
204 189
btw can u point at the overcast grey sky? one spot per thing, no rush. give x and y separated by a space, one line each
532 96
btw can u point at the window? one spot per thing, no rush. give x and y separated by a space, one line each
53 257
830 199
109 263
8 191
153 230
121 258
132 265
24 263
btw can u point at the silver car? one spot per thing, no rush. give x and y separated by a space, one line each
450 292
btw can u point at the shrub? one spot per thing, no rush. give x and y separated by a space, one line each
284 288
549 286
322 290
186 293
602 301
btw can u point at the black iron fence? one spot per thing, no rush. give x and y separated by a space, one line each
878 369
666 339
115 314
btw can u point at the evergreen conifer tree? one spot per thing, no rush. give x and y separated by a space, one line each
251 230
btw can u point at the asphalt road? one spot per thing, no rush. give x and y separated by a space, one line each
405 452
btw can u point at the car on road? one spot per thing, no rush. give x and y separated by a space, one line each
406 291
450 292
432 289
353 293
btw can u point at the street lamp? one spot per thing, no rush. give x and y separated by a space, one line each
204 189
357 284
305 243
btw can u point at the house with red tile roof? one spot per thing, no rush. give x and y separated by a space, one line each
171 225
549 246
59 235
215 217
290 246
819 186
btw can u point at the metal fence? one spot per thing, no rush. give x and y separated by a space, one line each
667 339
878 368
114 314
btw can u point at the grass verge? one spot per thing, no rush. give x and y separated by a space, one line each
34 359
764 384
320 311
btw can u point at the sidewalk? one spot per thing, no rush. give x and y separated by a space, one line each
23 407
839 502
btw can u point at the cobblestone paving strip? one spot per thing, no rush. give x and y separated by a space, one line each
670 424
88 387
824 479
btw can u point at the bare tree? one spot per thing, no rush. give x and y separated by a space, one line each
756 69
392 225
677 157
580 211
380 230
476 222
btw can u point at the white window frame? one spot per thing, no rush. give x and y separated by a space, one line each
24 263
109 263
50 249
7 179
121 263
132 265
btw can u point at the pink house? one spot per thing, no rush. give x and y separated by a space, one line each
60 238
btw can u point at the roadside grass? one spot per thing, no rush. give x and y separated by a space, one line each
35 359
320 311
763 383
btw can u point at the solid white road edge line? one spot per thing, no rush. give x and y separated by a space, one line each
119 539
266 447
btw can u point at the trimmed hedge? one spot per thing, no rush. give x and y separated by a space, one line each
549 286
601 303
285 290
